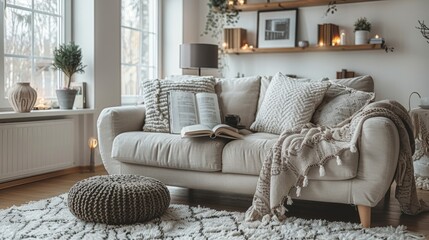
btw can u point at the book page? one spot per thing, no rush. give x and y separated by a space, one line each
208 109
183 110
197 130
225 127
226 131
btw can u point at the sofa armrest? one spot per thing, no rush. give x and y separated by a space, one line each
113 121
379 151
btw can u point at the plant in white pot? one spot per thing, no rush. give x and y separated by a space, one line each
362 29
68 59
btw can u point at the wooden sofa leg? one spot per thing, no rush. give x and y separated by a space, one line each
365 215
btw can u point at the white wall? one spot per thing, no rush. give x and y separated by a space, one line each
96 28
172 36
396 74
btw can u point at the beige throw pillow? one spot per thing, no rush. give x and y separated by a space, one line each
339 104
288 103
362 83
239 96
155 96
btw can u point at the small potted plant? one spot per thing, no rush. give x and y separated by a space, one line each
362 29
68 59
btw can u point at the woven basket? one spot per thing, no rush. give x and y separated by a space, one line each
118 199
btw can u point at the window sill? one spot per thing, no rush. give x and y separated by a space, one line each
45 113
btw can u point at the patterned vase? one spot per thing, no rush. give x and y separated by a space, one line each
22 97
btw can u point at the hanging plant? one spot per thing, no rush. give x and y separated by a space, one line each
388 48
220 14
332 8
424 30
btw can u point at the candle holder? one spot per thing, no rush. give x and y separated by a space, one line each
92 143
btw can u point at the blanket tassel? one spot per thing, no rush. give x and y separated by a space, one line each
322 171
305 182
353 148
289 200
298 191
339 161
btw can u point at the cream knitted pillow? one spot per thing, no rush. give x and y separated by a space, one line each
155 95
288 103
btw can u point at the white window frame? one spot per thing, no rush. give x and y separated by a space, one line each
135 99
65 36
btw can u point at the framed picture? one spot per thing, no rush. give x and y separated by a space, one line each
277 29
80 100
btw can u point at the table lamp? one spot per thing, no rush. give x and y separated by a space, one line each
198 55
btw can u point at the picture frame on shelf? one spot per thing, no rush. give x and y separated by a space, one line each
80 100
277 29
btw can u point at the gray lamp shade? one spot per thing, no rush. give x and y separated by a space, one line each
198 55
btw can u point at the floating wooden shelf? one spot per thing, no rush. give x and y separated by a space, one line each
292 4
307 49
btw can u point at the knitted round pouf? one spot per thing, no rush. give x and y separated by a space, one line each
118 199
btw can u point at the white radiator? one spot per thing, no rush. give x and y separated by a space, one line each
31 148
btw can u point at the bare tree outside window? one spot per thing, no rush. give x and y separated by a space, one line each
139 44
32 29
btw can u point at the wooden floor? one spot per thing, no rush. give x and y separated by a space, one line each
382 215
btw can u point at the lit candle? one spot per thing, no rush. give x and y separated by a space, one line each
230 3
321 44
92 143
342 37
376 36
241 2
336 41
225 45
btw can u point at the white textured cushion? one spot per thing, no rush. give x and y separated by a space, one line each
265 82
339 104
155 95
239 96
288 103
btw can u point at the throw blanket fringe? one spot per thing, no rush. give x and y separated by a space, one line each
302 147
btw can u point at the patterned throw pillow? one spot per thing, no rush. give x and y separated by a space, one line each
155 95
339 104
288 103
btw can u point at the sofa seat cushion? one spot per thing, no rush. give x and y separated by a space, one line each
245 156
168 151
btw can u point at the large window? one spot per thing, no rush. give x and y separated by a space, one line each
139 46
31 29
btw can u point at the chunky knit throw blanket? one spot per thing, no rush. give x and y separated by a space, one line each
298 149
421 132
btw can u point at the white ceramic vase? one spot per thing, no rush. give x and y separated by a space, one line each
361 37
22 97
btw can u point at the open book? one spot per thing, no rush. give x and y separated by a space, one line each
197 115
221 130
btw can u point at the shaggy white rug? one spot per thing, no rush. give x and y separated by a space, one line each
51 219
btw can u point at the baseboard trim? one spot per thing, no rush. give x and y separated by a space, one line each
62 172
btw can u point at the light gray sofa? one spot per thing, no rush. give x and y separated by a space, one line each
233 166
